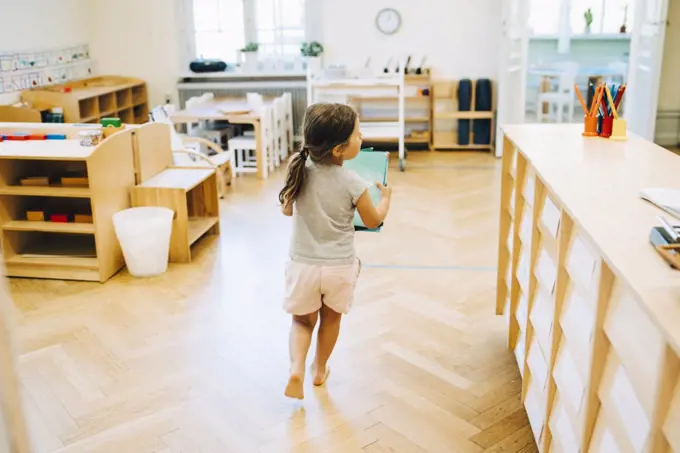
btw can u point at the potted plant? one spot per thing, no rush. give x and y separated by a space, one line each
311 51
588 16
250 57
625 19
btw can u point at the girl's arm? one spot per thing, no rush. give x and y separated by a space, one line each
374 216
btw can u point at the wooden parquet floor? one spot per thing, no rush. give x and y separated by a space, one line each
196 360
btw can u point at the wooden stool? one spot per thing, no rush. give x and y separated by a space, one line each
192 195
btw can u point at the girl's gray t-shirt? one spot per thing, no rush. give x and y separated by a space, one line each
323 215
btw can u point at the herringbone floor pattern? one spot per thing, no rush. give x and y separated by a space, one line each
196 360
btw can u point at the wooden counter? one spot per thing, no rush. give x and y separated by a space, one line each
593 311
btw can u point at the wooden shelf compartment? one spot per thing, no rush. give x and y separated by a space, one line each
88 108
199 226
541 318
141 113
50 255
449 140
107 103
127 116
139 94
445 108
28 246
124 98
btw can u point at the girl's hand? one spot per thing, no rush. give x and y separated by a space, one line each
386 191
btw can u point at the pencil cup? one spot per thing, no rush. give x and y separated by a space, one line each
590 126
607 124
619 130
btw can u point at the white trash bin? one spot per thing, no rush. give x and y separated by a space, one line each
144 236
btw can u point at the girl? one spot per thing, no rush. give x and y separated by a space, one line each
323 269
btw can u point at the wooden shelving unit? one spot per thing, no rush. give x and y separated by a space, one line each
593 318
66 251
90 100
418 109
190 192
445 117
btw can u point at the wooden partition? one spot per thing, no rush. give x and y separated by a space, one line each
593 312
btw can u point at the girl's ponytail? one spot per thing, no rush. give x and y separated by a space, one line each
295 178
325 126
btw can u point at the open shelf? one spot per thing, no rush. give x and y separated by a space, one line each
139 94
89 108
124 98
50 227
55 260
463 115
46 191
198 226
89 100
107 103
127 116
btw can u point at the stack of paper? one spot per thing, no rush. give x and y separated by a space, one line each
371 166
666 199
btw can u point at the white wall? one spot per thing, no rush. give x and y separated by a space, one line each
461 38
145 44
53 24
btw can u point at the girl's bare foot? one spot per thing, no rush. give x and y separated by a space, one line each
320 374
295 387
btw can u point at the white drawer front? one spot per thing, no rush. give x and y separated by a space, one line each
568 379
550 216
578 320
581 264
546 271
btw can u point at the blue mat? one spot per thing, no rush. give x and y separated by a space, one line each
371 166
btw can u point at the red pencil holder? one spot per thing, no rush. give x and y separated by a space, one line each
607 124
590 126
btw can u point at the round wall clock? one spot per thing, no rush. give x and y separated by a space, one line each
388 21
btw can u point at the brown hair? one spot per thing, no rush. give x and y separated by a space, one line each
325 126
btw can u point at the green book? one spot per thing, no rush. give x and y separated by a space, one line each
371 166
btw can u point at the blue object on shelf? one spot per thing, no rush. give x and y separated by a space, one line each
483 99
55 137
371 166
464 105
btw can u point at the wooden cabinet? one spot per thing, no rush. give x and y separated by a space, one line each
599 351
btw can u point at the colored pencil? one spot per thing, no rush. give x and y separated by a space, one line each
580 98
619 95
611 101
596 103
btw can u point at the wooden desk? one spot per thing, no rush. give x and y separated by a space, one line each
593 311
233 112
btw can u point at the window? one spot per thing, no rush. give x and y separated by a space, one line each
280 26
608 16
223 27
544 17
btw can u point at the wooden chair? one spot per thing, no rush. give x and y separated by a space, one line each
280 132
185 153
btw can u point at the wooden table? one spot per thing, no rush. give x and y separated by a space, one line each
593 311
235 112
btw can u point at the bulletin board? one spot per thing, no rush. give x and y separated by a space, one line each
21 71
